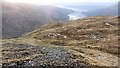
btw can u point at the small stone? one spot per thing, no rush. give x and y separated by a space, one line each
65 37
65 64
107 23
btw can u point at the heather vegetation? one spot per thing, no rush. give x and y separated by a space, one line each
84 42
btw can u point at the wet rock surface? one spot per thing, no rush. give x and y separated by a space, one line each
42 56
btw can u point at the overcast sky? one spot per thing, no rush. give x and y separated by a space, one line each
57 1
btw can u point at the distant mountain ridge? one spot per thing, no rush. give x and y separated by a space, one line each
21 18
111 11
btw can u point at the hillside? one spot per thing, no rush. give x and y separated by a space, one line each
111 11
18 19
84 42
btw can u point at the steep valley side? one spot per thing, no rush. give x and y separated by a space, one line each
18 19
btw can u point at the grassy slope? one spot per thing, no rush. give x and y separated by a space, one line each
92 40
